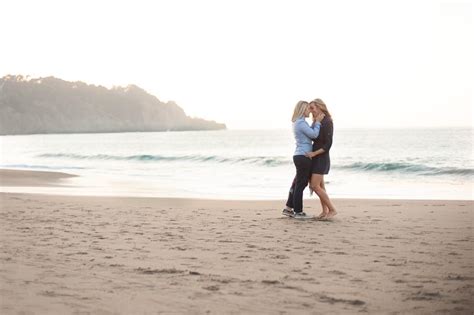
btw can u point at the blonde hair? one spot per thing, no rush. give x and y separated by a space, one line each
300 108
322 106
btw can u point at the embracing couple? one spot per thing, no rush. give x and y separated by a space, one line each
311 157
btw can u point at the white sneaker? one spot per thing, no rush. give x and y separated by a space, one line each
300 215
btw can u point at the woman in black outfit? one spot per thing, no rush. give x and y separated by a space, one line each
321 161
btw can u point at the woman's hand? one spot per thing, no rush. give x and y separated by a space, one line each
314 153
319 118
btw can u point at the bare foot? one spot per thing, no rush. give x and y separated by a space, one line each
322 216
331 214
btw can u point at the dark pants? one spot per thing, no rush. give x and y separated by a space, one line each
303 173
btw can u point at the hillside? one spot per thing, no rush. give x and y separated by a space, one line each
51 105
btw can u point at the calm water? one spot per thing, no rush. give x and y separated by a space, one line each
237 164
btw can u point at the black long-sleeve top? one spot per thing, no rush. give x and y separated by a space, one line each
324 141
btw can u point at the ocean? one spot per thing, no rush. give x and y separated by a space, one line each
247 164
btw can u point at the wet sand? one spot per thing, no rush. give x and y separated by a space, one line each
31 178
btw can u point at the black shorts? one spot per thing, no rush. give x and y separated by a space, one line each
321 164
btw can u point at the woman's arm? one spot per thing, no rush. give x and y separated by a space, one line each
315 153
310 132
328 137
327 133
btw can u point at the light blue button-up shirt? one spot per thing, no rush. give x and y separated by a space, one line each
304 135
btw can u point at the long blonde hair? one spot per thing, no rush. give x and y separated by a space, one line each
300 108
322 106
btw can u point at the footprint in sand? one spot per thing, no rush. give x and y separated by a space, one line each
337 272
149 271
425 296
211 288
332 300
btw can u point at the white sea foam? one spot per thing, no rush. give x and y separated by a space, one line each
237 164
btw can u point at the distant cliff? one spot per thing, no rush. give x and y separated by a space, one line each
51 105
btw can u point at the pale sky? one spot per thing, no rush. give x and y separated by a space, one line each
246 63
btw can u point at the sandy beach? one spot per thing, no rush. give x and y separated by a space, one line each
31 178
110 255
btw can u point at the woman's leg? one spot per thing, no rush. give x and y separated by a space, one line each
313 183
303 169
323 205
289 202
316 181
331 212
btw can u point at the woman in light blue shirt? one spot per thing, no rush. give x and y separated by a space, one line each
304 135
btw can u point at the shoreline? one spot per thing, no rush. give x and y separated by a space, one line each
106 132
18 178
28 178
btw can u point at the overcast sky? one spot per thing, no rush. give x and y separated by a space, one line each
246 63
